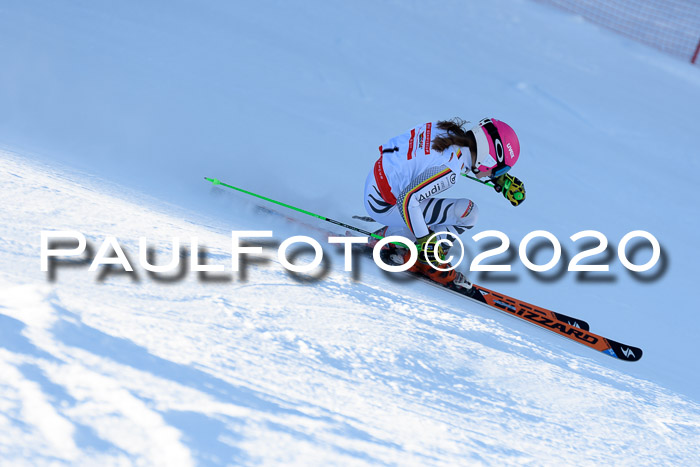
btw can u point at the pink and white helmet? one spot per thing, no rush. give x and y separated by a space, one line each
497 147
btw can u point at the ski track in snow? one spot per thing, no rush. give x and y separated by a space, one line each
118 371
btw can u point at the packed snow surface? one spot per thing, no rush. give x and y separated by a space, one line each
106 367
114 112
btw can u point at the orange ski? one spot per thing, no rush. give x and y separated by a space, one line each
548 320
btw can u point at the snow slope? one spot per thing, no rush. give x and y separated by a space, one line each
272 370
112 109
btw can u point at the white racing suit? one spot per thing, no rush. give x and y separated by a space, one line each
400 190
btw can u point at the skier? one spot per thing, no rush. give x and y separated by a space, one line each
414 167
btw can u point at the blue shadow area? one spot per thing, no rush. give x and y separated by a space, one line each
203 434
200 431
125 352
12 339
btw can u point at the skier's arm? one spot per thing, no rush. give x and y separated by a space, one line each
426 185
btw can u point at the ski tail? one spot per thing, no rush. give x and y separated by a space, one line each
364 218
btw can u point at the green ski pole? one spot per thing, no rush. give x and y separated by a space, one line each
478 180
517 196
216 181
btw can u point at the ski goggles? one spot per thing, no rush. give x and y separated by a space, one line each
490 153
498 171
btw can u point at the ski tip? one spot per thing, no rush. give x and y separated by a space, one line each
215 181
624 352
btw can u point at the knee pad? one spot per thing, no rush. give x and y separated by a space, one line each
466 213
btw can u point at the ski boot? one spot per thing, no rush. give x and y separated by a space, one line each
439 271
393 254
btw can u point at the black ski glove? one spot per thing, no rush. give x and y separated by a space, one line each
511 187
